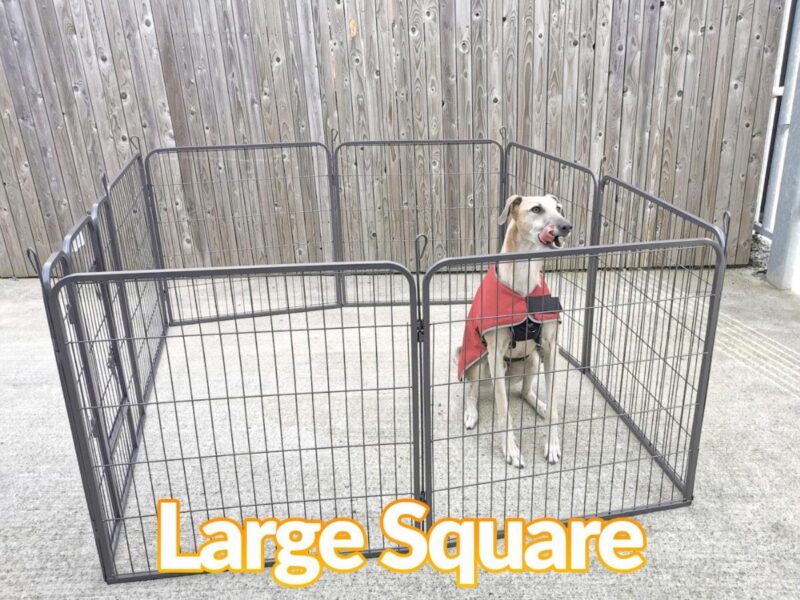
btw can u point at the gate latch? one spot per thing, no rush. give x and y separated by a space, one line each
95 427
70 313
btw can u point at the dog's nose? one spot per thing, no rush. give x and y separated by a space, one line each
564 228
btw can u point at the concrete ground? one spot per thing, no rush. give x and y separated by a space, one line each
735 540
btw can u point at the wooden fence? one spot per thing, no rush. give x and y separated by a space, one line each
671 95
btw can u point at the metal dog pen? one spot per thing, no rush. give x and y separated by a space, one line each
268 330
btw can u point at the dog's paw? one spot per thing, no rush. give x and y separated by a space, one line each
533 401
541 408
513 455
470 417
553 451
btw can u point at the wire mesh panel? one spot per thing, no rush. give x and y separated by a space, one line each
632 215
309 413
132 224
624 426
650 343
531 172
242 205
392 191
125 230
100 378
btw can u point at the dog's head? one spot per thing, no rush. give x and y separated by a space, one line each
539 219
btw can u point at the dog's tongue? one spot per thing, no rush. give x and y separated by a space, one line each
547 235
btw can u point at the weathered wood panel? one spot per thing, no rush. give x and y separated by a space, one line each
672 96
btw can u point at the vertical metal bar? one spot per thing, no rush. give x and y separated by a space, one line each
69 386
127 324
591 275
705 368
151 214
111 323
504 152
93 397
336 220
94 394
416 395
155 240
426 402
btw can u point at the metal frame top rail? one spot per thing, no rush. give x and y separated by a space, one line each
715 230
596 203
562 161
314 268
427 142
580 251
226 147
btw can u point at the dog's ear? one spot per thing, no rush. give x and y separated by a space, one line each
512 204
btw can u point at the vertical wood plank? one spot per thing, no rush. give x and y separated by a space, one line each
14 226
480 121
102 87
180 213
586 51
32 120
718 108
465 125
495 20
661 97
743 239
745 122
537 134
600 79
713 31
528 59
571 60
17 179
452 194
631 90
689 95
648 74
729 123
433 155
6 268
616 85
555 84
674 109
51 63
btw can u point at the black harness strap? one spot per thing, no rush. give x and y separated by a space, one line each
544 304
530 329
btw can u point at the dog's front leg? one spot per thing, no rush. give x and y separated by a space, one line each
497 343
471 398
529 384
549 351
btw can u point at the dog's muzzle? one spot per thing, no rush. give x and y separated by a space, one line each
553 234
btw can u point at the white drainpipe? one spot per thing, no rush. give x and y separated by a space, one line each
783 268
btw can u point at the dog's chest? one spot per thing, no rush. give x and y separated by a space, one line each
522 276
521 349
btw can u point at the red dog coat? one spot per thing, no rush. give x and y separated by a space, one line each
496 305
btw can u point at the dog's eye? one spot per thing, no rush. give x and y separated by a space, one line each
560 211
536 209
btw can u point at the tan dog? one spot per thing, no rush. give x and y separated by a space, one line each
534 223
